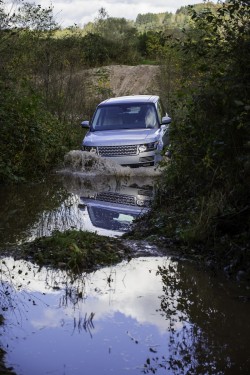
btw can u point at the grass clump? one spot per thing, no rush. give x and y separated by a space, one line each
76 250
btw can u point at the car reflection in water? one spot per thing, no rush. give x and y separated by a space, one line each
116 210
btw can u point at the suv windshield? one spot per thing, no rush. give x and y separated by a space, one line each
125 116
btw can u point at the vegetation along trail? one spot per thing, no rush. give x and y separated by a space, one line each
147 270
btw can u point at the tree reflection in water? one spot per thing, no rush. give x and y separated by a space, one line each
199 327
205 335
32 211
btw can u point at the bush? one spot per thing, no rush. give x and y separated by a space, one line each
31 138
210 132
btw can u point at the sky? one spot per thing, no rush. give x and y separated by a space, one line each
80 12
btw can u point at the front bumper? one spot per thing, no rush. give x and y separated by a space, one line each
140 160
129 157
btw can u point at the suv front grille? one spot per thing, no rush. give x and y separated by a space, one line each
116 198
117 150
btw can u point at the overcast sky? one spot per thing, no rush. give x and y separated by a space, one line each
80 12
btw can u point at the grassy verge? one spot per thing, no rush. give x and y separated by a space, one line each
76 251
225 249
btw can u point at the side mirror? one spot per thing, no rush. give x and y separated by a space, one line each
85 124
166 120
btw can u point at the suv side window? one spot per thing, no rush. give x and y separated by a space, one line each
160 111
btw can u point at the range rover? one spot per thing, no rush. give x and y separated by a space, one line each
131 130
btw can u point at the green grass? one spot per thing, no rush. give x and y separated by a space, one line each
76 251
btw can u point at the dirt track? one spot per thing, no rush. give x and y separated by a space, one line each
125 79
129 80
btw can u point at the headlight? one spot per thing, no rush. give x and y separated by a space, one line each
148 147
89 149
140 202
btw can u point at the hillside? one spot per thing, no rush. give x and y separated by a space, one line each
129 80
124 79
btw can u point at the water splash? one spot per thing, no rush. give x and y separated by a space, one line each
90 184
85 163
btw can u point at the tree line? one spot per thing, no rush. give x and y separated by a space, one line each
204 196
42 95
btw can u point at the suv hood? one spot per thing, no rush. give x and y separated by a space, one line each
121 137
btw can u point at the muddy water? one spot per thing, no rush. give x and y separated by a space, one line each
152 315
89 194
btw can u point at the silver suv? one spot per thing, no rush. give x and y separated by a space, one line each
131 130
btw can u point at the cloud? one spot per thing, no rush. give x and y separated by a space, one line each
80 12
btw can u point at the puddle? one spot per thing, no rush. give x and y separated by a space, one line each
97 203
151 315
104 322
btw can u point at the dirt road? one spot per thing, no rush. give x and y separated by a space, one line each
123 79
132 80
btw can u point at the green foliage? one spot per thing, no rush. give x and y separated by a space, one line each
164 21
118 37
185 10
155 44
101 87
44 92
146 18
34 130
95 49
76 251
210 132
30 136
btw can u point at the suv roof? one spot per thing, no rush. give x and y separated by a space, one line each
131 99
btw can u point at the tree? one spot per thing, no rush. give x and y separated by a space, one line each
95 49
119 38
30 139
210 133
